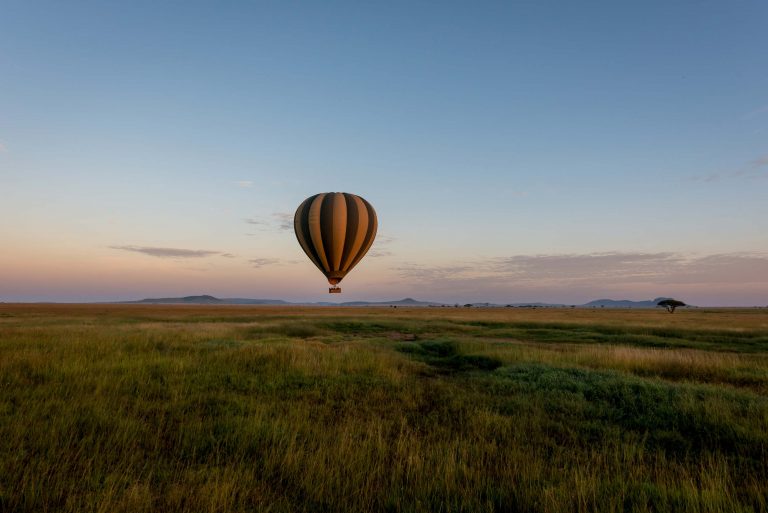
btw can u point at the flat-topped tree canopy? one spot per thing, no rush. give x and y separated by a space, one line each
670 304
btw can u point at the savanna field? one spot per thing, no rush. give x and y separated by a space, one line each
138 408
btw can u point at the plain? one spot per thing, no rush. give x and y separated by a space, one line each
110 408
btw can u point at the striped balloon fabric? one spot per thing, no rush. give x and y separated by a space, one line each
335 230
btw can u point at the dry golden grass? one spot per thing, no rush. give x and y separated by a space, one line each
693 318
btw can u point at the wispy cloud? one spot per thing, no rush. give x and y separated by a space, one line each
429 274
711 177
380 246
757 168
262 262
3 147
280 221
596 269
584 267
168 252
244 184
283 220
755 113
228 255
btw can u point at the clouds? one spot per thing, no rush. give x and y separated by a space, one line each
186 254
283 220
431 274
757 168
615 266
244 184
725 268
263 262
381 246
169 252
596 269
279 221
756 113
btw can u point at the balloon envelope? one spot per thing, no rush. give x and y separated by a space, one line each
335 230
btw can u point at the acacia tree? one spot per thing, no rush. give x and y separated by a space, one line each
670 304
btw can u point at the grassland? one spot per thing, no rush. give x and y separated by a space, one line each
215 409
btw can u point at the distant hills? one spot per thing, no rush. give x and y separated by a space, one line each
208 300
624 303
211 300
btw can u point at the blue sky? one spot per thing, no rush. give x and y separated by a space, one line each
514 151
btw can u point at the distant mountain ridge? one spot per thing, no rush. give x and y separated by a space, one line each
624 303
409 301
206 299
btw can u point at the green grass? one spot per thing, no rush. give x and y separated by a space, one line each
717 340
258 410
445 355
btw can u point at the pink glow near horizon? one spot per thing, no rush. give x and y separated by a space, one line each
714 280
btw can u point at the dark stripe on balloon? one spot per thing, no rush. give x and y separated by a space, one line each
353 228
316 230
369 236
326 228
301 229
339 231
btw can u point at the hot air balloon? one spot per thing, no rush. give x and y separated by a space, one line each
335 230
